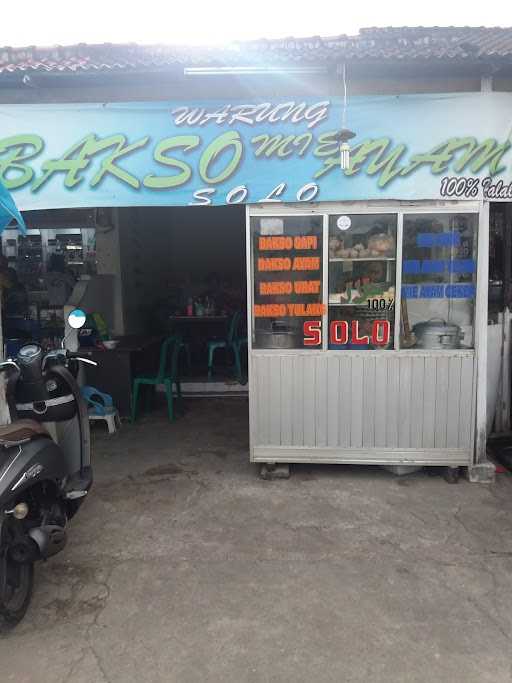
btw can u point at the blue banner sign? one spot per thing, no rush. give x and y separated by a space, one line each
217 152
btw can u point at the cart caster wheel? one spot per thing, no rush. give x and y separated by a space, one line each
451 475
271 471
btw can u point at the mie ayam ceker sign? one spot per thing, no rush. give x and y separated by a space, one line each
214 152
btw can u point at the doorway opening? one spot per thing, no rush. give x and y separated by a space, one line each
499 377
183 273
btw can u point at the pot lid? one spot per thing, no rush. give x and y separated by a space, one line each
436 326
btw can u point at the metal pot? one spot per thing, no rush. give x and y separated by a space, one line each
437 334
279 335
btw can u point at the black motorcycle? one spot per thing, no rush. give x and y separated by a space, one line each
45 467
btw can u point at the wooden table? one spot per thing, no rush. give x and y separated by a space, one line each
198 319
116 368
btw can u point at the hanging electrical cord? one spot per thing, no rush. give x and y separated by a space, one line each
344 112
345 134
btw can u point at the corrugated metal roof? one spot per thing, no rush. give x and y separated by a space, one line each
415 44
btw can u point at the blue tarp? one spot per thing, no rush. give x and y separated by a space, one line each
9 212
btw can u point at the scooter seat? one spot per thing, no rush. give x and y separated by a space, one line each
20 432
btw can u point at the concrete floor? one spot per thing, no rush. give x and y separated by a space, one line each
184 566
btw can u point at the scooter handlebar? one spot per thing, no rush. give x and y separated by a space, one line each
79 356
6 364
63 355
85 360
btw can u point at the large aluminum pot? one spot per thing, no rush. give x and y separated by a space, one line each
437 334
280 335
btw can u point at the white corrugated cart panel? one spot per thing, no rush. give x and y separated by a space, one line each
344 407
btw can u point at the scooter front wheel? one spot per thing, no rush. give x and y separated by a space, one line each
16 585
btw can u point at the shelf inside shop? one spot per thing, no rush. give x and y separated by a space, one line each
365 258
360 303
332 303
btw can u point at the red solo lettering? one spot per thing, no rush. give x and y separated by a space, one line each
356 339
338 332
312 333
381 332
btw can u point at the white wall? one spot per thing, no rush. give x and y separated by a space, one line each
108 259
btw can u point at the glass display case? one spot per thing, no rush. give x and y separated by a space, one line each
348 299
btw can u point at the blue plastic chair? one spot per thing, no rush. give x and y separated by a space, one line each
167 374
232 341
185 346
239 342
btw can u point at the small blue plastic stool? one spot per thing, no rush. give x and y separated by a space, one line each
101 407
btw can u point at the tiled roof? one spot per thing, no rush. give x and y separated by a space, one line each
456 44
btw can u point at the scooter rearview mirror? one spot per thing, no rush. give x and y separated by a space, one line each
77 318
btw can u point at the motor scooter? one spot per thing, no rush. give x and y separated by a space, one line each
45 467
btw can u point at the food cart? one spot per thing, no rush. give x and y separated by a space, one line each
366 325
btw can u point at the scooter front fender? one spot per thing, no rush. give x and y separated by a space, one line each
23 466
